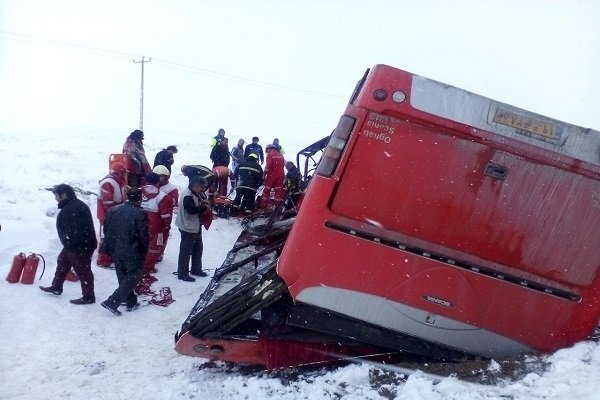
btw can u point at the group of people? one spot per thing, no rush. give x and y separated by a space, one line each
135 209
246 174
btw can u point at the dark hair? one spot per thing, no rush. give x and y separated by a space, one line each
197 180
137 135
222 131
152 178
63 188
134 195
172 148
255 138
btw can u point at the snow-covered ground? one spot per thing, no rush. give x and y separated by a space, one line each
51 349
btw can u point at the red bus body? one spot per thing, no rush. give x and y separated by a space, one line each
451 218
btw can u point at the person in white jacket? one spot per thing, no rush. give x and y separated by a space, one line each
194 212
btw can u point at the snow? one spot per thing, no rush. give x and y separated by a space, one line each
53 349
56 84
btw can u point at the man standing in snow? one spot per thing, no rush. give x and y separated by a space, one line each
159 211
220 157
255 148
194 212
173 193
126 241
137 163
237 154
278 146
75 229
217 139
112 193
165 157
273 176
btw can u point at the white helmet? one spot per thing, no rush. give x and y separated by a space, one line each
161 170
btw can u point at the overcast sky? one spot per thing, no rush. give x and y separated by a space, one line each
263 67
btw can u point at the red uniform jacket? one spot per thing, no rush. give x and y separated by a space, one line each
159 209
274 166
111 194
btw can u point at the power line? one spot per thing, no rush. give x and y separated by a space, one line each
223 75
28 38
169 64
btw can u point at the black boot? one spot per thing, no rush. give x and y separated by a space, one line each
84 300
110 307
186 278
51 289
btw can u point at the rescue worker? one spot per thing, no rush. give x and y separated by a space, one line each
194 212
126 241
293 178
112 193
293 182
137 163
173 193
165 157
237 154
273 176
220 157
159 208
217 139
255 148
249 176
75 229
200 170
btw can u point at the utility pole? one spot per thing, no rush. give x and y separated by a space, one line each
142 61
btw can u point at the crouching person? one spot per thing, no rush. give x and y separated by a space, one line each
249 177
194 211
126 241
75 229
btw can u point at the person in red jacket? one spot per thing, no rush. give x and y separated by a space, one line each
159 209
274 176
137 163
173 193
112 193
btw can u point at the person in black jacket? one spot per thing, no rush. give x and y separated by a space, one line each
255 148
126 241
249 177
292 184
200 170
165 157
75 229
220 157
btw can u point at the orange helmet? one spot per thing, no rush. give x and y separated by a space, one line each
117 168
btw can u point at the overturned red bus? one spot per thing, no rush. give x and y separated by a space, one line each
438 222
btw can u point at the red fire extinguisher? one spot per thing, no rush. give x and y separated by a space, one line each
30 268
16 268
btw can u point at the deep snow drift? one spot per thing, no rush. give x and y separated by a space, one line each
55 350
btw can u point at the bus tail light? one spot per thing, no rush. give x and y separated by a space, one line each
380 94
336 146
